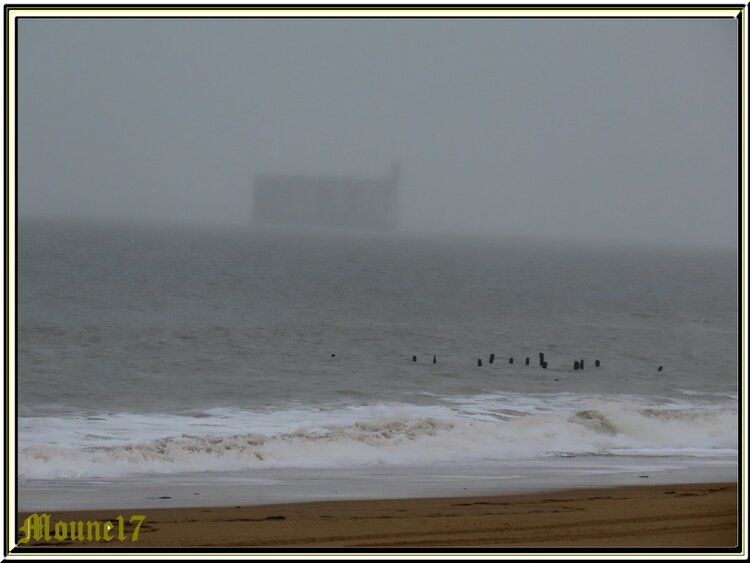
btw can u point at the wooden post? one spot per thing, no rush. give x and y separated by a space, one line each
434 359
479 362
492 358
413 358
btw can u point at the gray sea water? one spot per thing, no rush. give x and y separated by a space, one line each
150 352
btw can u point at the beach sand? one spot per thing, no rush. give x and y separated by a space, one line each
677 516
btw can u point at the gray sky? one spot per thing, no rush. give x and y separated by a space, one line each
595 129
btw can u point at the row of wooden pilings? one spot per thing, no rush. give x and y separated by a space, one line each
577 364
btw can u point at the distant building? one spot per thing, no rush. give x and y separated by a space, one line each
362 203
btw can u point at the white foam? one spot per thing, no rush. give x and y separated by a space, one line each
486 427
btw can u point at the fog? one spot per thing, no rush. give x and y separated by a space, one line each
621 130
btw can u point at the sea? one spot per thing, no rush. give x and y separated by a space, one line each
176 365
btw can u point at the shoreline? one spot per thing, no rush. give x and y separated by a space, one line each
666 516
294 485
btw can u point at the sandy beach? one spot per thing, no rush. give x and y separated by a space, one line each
678 516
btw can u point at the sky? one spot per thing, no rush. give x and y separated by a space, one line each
595 129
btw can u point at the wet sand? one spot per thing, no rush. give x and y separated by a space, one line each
676 516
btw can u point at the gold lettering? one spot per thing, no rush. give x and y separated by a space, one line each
96 526
107 528
76 531
120 528
61 531
35 526
46 517
138 518
31 526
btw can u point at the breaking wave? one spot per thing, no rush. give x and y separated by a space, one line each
482 428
